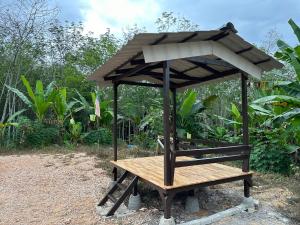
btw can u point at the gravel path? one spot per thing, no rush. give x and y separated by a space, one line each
64 189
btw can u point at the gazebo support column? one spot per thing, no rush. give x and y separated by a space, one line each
174 147
115 138
167 158
174 120
247 182
167 198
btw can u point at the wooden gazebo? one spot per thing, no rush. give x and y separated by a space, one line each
176 61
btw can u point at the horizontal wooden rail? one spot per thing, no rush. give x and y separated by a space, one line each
206 142
210 160
218 150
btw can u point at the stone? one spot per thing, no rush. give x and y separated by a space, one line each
134 202
121 211
248 202
192 204
111 184
169 221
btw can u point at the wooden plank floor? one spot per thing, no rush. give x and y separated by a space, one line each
151 169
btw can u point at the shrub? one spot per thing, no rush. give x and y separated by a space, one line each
270 153
100 136
35 133
144 140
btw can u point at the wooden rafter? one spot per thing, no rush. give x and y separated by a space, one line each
137 55
204 66
210 61
209 77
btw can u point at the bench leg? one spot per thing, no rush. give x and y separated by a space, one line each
135 190
167 202
115 174
247 185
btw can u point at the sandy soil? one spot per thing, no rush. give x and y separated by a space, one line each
64 189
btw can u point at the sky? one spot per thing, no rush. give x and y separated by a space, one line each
252 18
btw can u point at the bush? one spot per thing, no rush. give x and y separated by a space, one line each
270 153
144 140
100 136
35 133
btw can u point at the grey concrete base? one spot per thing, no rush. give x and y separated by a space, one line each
134 202
164 221
111 184
248 204
121 211
191 204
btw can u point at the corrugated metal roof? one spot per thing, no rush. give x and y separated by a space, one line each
133 51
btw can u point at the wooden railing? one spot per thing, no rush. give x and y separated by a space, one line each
198 156
227 152
231 153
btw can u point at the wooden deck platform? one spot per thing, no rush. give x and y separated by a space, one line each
150 169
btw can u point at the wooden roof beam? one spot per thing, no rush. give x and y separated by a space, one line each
262 61
189 69
189 37
244 50
203 66
218 36
209 77
149 67
210 61
172 84
140 84
138 54
130 72
182 75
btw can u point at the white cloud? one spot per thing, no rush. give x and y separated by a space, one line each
98 15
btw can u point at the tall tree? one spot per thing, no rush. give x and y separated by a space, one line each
22 24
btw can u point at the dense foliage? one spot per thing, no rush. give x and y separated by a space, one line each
46 99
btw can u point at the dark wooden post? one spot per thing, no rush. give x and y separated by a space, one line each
174 147
174 120
166 87
245 131
245 118
167 202
135 190
115 139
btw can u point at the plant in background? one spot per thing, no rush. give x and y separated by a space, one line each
286 106
153 122
270 153
100 136
277 137
75 130
35 133
189 107
83 105
61 107
9 123
40 100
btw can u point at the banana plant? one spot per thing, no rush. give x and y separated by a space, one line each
188 108
39 100
289 101
61 107
9 123
82 104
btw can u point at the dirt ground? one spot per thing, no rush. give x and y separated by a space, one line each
65 188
